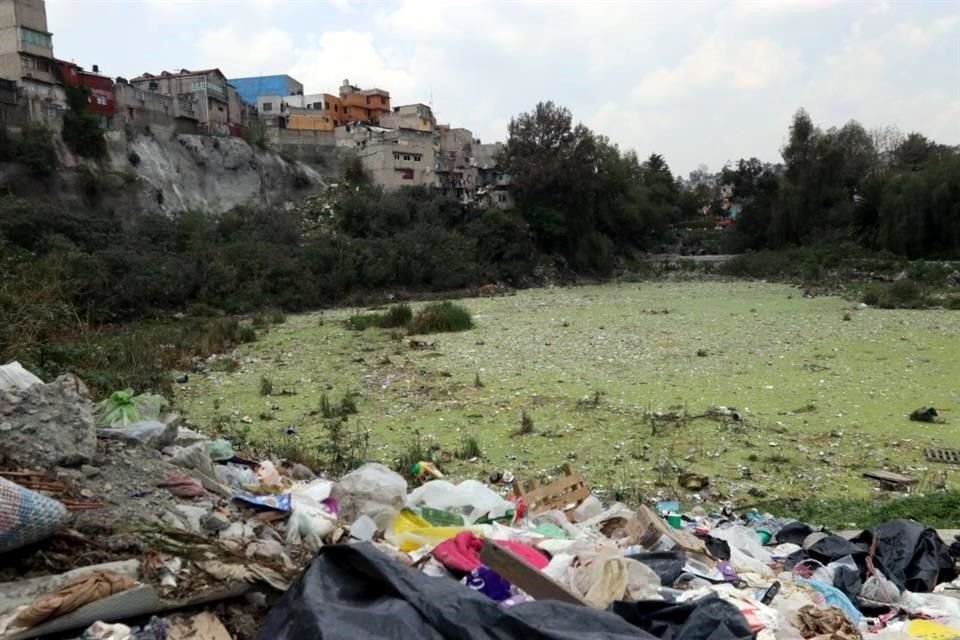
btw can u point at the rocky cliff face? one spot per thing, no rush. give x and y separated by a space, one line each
177 172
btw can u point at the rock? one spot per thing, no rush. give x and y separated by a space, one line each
241 530
89 470
901 276
46 425
194 514
152 433
301 472
215 522
187 437
953 280
182 378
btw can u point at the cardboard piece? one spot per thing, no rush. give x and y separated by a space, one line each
653 533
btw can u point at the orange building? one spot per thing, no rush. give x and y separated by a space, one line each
359 105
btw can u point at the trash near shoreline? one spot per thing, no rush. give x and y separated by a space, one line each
160 533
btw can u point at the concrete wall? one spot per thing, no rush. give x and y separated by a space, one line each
418 117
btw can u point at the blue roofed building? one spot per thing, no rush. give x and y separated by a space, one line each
253 87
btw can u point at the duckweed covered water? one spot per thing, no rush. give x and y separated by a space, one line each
822 399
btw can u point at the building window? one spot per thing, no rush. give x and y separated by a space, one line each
219 108
407 174
268 106
101 100
36 38
318 105
198 85
406 156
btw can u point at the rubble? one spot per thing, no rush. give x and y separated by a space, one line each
267 547
46 425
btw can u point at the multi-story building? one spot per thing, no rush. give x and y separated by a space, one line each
393 158
220 110
137 107
456 175
253 87
362 105
418 117
101 101
493 185
26 56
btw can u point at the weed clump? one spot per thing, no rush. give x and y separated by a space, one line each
440 317
469 448
526 425
396 316
266 386
346 407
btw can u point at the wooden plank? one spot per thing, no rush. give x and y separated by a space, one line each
569 489
889 477
525 576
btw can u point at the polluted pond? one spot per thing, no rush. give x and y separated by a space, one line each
626 380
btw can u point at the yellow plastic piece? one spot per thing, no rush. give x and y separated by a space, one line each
929 630
410 532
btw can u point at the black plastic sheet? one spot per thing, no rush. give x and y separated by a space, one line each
794 532
708 618
668 565
910 554
355 592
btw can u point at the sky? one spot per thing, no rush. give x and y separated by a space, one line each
697 82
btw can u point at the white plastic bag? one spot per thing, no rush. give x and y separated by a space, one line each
13 376
470 498
369 490
879 589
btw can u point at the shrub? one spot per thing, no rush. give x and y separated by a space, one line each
396 316
362 321
266 386
36 152
526 425
469 448
246 334
277 316
225 364
414 452
440 317
81 130
346 407
902 294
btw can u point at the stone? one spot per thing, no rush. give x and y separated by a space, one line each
46 425
187 437
301 472
215 522
89 470
194 514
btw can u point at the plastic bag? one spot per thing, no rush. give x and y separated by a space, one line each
150 432
833 597
470 498
220 450
268 474
235 475
369 490
587 509
123 408
408 532
745 540
309 523
14 376
878 589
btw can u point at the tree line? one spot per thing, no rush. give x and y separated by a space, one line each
881 189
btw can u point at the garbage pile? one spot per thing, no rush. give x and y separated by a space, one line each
116 522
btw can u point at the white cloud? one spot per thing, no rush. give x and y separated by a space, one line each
749 64
920 36
777 7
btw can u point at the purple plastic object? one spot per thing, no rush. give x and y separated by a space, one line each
489 583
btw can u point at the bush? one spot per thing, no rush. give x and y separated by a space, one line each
246 334
362 322
36 152
83 135
526 425
396 316
902 294
346 407
440 317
